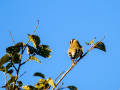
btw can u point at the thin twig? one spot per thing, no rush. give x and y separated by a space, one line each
22 54
11 37
76 63
56 79
33 31
22 74
59 76
60 86
25 61
5 80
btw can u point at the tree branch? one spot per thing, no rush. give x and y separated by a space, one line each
11 37
76 63
60 86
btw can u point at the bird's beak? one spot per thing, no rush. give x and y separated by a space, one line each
69 44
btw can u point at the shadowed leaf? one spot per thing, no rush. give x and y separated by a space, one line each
10 71
19 83
34 58
12 50
72 87
16 58
31 50
20 44
44 51
101 46
39 74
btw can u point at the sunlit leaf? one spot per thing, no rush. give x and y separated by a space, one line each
44 51
29 87
34 58
39 74
42 84
101 46
4 59
16 58
12 50
34 39
19 83
72 87
51 82
31 50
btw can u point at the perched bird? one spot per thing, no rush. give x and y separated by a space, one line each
75 50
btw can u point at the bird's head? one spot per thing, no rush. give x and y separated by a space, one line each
71 41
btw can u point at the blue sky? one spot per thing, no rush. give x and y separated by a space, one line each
61 21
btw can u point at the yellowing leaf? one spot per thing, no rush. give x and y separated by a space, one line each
34 39
34 58
51 82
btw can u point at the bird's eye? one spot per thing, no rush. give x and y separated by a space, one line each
70 41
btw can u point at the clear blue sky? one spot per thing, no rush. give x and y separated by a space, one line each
61 21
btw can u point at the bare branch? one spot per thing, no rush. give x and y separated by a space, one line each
56 79
22 74
60 86
59 76
33 31
11 37
76 63
24 62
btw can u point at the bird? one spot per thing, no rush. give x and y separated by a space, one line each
75 50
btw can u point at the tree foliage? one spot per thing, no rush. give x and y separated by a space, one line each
14 56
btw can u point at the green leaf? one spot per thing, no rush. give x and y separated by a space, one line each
34 39
72 87
91 42
16 58
12 79
44 51
101 46
34 58
4 59
51 82
31 50
10 71
39 74
2 68
9 65
29 87
19 83
12 50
